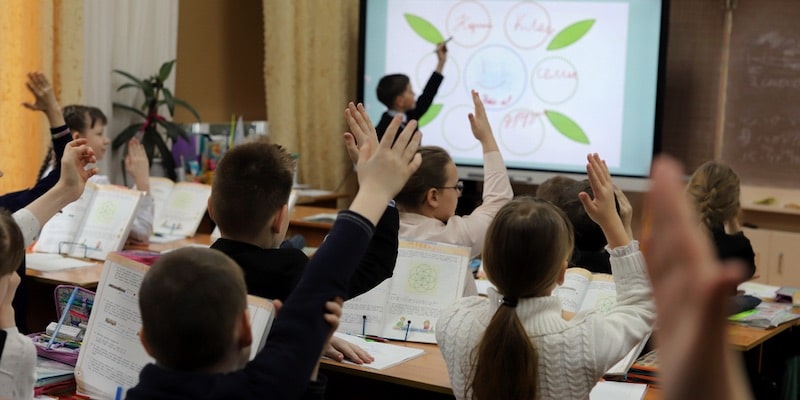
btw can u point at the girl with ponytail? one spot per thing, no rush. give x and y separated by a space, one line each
516 344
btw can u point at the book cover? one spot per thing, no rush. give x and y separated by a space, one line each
428 276
179 207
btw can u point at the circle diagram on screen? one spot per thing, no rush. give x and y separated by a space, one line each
527 25
522 132
554 80
423 279
456 131
427 65
498 74
469 23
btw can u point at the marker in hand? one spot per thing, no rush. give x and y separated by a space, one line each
443 44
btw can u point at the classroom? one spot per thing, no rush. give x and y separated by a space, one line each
727 86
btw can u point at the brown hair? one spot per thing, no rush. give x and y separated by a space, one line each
524 250
80 118
190 301
12 244
391 86
714 188
551 188
251 183
430 174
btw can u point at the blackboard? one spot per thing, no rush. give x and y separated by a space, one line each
761 138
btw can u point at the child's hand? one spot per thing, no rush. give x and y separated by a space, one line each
137 165
340 349
602 209
441 56
45 101
691 291
479 123
625 210
384 171
361 131
74 174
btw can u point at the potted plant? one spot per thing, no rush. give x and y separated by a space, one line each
153 124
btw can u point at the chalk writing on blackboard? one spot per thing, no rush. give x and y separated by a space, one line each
773 140
774 62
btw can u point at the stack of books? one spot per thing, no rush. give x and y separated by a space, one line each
645 369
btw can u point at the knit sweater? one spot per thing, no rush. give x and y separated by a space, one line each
17 364
573 354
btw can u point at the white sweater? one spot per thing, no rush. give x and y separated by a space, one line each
17 366
573 354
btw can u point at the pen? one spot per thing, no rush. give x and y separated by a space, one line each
373 338
63 317
443 43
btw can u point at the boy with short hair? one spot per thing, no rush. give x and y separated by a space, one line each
282 369
395 92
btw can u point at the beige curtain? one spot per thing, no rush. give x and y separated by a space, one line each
311 52
45 35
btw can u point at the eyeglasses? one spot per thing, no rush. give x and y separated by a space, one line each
459 187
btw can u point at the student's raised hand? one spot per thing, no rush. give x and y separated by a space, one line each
625 210
479 123
602 209
691 291
74 172
137 164
382 173
340 349
361 131
441 56
45 99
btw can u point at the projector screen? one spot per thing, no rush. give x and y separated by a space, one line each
559 79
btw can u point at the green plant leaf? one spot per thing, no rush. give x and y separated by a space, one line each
187 106
430 115
131 109
424 29
145 86
570 34
166 157
567 126
129 85
149 141
169 101
165 70
173 130
126 135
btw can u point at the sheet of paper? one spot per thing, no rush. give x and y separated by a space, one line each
386 354
571 292
183 210
106 226
618 391
62 228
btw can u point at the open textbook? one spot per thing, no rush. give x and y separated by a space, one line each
584 291
179 207
92 226
427 277
112 354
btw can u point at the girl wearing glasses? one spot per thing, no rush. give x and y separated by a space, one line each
427 203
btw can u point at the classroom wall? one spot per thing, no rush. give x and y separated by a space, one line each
220 68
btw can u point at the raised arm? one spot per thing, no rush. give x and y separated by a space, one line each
691 293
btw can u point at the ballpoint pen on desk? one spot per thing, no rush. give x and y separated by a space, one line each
363 325
63 317
408 327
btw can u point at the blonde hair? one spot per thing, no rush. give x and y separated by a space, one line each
714 189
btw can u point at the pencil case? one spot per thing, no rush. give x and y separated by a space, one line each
77 317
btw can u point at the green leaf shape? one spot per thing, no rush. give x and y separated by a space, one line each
570 34
131 109
186 105
169 100
424 29
567 127
145 86
430 115
126 135
165 70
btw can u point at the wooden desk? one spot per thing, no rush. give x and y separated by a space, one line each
424 377
313 232
319 198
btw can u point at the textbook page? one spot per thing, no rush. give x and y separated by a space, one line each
572 291
618 391
63 226
107 223
601 294
363 315
160 188
262 314
183 210
428 277
111 354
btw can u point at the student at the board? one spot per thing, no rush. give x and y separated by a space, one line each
395 92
